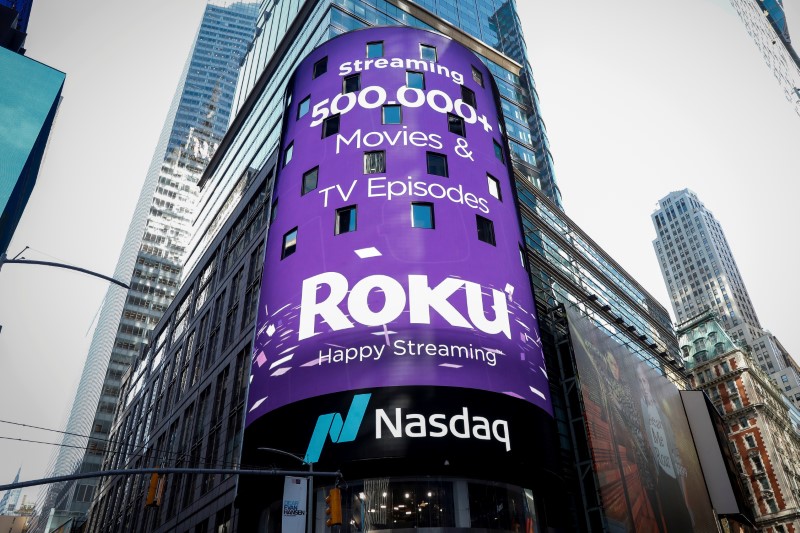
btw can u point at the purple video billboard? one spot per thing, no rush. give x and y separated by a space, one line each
394 255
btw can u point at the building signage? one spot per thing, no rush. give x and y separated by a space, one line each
402 423
295 496
409 430
394 255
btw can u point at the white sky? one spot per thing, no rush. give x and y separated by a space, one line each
640 98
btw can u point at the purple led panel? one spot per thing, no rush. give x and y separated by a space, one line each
394 254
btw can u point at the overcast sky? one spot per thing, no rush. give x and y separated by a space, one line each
639 98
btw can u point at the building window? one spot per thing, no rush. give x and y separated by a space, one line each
455 124
773 507
485 230
468 97
321 67
750 441
287 153
477 76
427 52
302 107
310 179
273 212
498 151
345 219
422 215
522 256
289 243
391 114
437 164
415 80
374 162
375 49
494 186
330 126
351 84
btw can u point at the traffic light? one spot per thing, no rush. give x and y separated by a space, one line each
155 491
334 510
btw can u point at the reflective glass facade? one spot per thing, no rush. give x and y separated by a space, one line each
765 22
287 31
183 400
570 268
154 249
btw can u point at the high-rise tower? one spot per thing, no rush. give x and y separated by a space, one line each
701 275
765 21
192 380
288 30
155 246
698 266
10 499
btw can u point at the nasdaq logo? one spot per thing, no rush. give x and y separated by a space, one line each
338 429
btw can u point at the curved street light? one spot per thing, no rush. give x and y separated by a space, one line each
310 497
23 261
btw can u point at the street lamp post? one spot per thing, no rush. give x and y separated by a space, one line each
310 497
5 261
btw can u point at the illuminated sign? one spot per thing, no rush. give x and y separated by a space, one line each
394 255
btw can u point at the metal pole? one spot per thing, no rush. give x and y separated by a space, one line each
309 488
4 261
310 510
138 471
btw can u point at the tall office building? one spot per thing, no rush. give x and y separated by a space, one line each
183 400
765 21
287 31
154 249
10 499
701 275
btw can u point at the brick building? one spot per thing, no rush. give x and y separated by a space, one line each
762 424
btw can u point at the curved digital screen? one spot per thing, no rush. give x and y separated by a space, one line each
394 256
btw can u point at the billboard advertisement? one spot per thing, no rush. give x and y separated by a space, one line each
644 456
29 96
394 255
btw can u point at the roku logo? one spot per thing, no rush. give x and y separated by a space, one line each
421 299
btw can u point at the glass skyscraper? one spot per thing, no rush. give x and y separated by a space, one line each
765 22
154 250
182 401
288 30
